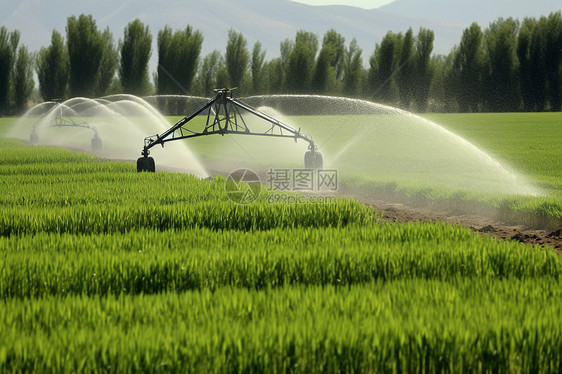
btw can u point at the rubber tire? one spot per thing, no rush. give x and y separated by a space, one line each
319 160
313 160
309 160
141 164
96 144
146 164
151 167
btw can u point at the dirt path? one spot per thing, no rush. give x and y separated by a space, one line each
485 225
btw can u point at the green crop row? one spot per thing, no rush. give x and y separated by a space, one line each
120 188
55 190
223 215
151 261
16 157
426 326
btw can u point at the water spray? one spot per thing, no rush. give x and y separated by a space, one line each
59 120
224 116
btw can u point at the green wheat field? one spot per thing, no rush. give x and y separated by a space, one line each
106 269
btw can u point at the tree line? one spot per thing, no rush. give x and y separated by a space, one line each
509 66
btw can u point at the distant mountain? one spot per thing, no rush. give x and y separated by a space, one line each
269 21
464 12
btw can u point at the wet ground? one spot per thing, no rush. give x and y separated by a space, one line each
480 224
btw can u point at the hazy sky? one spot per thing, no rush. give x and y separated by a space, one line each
367 4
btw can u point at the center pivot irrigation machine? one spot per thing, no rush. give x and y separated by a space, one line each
224 116
59 120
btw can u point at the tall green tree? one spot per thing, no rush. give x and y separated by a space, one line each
553 60
209 73
23 79
526 68
223 79
324 77
136 49
336 42
466 75
259 83
85 51
405 75
285 49
278 68
439 94
302 58
424 70
538 63
52 68
354 73
8 49
329 65
178 58
502 81
163 78
276 73
108 64
237 57
383 67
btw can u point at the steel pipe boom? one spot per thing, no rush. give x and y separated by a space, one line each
224 116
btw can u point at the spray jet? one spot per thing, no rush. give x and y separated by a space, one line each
60 120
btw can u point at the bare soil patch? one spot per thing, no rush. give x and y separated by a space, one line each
481 224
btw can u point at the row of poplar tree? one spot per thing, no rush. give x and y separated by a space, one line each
510 66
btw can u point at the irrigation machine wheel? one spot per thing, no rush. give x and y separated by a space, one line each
140 164
313 160
319 160
151 165
146 164
96 144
